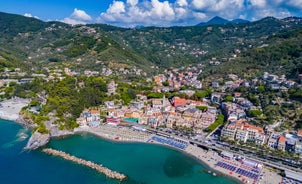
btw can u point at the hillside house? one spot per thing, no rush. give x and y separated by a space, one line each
281 143
241 135
137 105
215 84
207 119
273 141
290 142
229 131
160 103
179 102
111 88
298 148
191 113
93 118
216 97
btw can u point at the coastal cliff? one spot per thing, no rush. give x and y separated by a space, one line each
25 121
37 140
40 137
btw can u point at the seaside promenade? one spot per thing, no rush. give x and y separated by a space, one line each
116 133
211 158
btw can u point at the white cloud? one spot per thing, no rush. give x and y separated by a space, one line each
274 8
190 12
162 10
117 7
270 12
295 3
180 12
225 8
133 12
258 3
201 4
218 5
132 2
30 15
182 3
78 17
199 15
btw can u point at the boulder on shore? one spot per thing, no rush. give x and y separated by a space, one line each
37 140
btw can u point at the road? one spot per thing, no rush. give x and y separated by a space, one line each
279 166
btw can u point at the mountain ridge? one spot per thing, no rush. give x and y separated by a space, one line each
32 43
221 21
214 21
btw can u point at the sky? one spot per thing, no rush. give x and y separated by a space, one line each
163 13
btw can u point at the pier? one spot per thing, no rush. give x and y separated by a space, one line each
109 173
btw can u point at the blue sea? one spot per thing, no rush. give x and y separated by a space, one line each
142 163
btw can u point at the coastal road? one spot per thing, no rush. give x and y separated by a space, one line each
212 147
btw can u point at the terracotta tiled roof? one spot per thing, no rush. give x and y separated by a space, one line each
94 112
300 132
282 139
179 101
259 129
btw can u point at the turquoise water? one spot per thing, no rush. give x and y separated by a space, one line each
142 163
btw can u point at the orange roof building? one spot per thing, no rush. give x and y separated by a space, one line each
177 102
94 112
299 133
282 139
281 143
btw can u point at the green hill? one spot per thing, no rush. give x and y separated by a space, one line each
267 44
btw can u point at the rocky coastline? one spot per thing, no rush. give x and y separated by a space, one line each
25 122
38 140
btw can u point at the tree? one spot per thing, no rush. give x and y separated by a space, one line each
219 121
12 84
261 88
165 83
229 98
254 99
254 113
131 93
202 108
9 91
34 102
155 95
200 95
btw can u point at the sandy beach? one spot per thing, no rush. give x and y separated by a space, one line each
116 133
9 109
210 158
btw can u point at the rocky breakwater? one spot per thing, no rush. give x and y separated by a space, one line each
37 140
109 173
